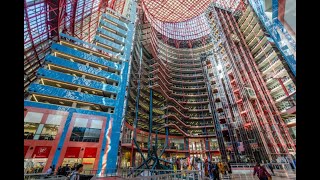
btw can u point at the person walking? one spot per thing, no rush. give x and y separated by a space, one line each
211 170
206 168
216 172
270 167
75 175
261 172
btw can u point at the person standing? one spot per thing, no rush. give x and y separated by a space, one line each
261 172
75 175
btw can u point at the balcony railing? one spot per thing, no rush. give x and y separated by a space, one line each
48 137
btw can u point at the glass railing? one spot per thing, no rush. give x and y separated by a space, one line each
84 138
48 137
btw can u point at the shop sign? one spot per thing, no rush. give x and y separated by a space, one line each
41 152
90 152
72 152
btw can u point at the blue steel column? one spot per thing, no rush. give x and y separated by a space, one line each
110 155
272 27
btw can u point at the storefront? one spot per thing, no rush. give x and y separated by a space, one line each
125 159
89 158
73 157
38 160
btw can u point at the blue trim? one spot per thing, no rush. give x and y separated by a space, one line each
109 43
115 20
82 68
86 56
110 34
92 46
58 76
69 94
113 27
272 28
121 101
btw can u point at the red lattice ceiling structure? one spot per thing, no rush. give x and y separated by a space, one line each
44 19
174 10
171 11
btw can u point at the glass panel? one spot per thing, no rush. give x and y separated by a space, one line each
33 117
49 132
30 130
35 165
82 134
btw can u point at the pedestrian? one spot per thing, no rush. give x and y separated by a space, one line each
75 175
221 168
229 168
49 171
270 167
261 172
206 168
59 172
216 172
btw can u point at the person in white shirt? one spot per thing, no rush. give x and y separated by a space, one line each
75 175
49 171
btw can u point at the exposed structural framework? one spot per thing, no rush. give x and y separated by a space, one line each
118 84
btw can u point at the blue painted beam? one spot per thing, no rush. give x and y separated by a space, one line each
113 27
115 20
111 34
109 43
58 76
69 94
82 68
92 46
79 54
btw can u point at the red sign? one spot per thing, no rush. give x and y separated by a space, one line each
72 152
25 150
90 152
41 152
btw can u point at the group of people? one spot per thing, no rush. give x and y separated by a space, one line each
205 167
213 170
72 173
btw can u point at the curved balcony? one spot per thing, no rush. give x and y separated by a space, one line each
197 110
187 82
146 106
160 82
184 65
188 88
187 76
201 118
176 110
157 87
187 134
194 102
185 125
160 70
190 95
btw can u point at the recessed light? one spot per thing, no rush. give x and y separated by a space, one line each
61 102
58 85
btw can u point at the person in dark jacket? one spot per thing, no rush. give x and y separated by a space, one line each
261 172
